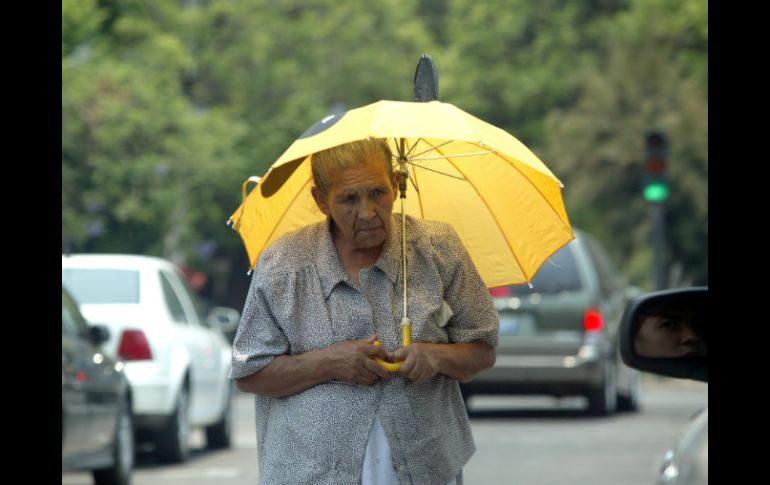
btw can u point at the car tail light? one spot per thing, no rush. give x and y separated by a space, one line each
134 346
593 321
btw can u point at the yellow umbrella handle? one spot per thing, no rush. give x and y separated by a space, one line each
406 338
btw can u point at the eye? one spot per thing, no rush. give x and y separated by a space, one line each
669 324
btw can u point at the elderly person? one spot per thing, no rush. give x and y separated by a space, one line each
320 297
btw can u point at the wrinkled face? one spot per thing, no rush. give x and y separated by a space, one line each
360 202
665 336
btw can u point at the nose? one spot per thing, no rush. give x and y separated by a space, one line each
367 209
688 335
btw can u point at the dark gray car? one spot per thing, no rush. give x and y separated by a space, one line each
97 429
559 337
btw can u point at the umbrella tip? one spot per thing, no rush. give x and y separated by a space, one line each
426 80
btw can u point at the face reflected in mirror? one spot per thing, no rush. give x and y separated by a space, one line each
671 334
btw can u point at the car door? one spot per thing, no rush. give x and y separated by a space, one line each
73 394
611 285
206 372
88 394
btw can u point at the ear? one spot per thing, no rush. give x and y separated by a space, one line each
320 200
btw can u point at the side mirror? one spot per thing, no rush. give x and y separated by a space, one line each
98 334
666 332
224 318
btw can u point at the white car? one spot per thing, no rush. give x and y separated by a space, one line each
175 362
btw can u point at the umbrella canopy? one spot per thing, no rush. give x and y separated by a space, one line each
504 203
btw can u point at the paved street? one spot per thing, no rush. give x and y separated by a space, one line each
531 441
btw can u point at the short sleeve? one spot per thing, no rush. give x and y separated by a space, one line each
475 317
258 338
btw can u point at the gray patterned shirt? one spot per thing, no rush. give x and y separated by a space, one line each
301 299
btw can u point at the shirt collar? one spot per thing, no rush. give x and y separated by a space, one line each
390 257
330 269
328 264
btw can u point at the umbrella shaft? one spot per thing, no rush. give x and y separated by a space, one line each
402 189
403 249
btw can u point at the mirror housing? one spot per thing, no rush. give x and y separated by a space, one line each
226 319
691 302
98 334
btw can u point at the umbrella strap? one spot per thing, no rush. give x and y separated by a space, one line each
254 179
234 223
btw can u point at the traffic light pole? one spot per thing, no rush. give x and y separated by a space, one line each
658 244
656 193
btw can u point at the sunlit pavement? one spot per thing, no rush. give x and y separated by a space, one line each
528 440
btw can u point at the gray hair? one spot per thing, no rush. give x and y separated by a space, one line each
327 162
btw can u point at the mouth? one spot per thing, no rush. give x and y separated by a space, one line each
369 230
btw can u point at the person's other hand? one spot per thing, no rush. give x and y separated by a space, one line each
421 361
351 361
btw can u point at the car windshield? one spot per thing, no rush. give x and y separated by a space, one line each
102 285
559 273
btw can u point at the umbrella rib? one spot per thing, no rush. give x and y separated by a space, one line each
459 155
434 170
489 210
288 206
419 197
413 147
413 179
431 147
497 222
512 164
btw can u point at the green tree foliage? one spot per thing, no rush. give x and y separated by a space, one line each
512 61
169 105
581 83
138 158
652 77
282 65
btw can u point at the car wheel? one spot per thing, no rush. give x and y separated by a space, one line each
602 400
123 452
632 401
173 441
219 434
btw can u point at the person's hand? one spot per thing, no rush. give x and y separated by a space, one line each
421 361
351 361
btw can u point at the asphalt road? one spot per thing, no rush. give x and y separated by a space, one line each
531 441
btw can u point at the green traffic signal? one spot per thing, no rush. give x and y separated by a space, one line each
656 191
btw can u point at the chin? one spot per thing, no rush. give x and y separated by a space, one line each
371 242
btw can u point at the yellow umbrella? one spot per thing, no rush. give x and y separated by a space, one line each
504 203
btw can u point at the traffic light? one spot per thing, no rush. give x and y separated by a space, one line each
655 184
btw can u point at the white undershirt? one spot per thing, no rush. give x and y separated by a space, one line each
378 464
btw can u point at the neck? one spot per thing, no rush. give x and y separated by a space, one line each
351 258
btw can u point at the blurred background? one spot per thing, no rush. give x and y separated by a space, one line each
168 106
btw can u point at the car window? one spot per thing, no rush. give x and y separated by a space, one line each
608 278
172 300
200 308
559 273
71 323
102 285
